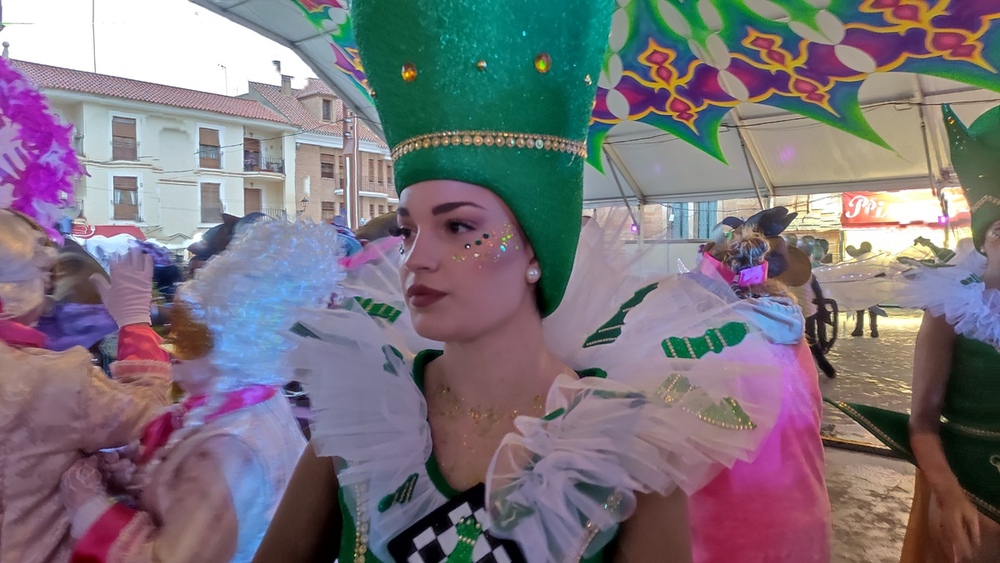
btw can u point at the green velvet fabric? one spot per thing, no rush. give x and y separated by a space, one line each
472 67
974 153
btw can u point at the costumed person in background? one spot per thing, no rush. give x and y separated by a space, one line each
816 308
817 324
212 469
347 237
787 475
217 239
956 506
862 253
462 426
55 407
77 316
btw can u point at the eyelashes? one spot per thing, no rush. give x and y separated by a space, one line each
398 231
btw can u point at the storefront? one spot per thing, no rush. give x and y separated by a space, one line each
891 221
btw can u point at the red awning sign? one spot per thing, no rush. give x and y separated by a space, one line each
88 231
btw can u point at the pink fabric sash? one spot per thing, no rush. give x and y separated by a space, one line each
157 433
20 336
95 545
709 265
751 276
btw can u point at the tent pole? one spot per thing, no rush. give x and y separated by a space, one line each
749 145
746 157
618 182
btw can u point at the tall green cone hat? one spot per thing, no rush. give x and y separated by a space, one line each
496 94
975 152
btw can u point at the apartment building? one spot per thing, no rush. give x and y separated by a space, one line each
169 161
320 164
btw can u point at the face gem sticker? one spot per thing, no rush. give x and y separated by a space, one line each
491 246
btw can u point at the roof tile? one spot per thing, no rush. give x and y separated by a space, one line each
57 78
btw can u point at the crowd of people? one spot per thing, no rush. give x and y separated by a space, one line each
489 377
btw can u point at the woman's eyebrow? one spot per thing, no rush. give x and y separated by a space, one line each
446 207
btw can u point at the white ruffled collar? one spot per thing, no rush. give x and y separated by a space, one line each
961 297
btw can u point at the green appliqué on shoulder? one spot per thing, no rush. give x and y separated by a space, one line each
611 330
299 329
402 495
714 340
727 413
394 362
379 310
973 278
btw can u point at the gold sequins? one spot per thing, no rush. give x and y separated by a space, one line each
588 80
531 141
481 65
409 72
543 63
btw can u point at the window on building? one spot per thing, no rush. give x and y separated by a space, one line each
388 174
327 110
381 210
371 171
327 164
211 202
381 173
123 140
328 211
707 212
679 221
126 198
251 155
209 148
371 211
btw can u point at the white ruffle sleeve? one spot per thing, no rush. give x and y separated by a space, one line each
369 414
690 388
958 295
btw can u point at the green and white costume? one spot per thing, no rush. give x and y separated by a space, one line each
672 403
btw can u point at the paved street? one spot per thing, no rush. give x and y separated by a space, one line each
870 495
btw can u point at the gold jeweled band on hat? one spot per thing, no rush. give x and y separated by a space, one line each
498 139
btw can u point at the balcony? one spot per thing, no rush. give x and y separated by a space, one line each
275 213
366 184
209 156
254 162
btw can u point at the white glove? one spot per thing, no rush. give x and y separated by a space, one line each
118 466
128 295
82 491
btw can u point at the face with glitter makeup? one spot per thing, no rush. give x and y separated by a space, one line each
464 260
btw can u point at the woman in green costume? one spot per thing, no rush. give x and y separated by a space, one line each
462 426
953 433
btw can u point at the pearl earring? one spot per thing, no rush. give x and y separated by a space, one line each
534 274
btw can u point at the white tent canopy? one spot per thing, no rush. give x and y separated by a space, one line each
791 155
769 151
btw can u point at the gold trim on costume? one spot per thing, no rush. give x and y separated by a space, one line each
497 139
984 200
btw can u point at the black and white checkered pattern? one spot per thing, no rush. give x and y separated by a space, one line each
440 536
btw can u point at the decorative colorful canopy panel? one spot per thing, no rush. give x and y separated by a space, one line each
681 65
